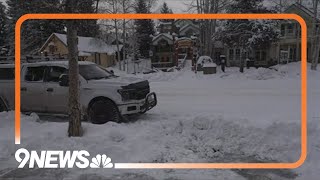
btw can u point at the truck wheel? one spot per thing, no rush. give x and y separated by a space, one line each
103 111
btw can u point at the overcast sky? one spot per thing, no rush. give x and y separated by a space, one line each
176 5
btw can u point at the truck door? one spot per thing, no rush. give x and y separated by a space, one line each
33 93
56 95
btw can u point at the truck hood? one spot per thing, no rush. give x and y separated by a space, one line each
117 81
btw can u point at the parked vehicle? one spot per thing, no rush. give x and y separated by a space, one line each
103 96
204 60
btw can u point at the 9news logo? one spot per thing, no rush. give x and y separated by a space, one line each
61 159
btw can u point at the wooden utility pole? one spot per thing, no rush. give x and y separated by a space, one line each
74 96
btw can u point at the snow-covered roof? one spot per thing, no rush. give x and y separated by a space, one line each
187 26
183 38
303 8
86 45
166 36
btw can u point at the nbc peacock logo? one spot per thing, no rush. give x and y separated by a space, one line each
101 161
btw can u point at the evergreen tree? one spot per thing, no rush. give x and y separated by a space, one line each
248 33
34 32
144 28
87 28
3 24
166 10
15 10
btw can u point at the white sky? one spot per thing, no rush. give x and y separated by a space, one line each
178 6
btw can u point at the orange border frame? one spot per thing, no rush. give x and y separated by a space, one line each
180 16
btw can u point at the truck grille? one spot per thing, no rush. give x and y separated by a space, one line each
141 94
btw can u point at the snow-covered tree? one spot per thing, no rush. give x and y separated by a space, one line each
3 24
248 34
144 28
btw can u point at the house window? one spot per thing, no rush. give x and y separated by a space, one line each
164 46
283 29
231 54
238 54
157 59
52 49
292 54
290 29
261 56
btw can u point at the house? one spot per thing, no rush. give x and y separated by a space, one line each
261 57
90 49
175 41
289 46
163 51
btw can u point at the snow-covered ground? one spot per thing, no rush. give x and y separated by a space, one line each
226 117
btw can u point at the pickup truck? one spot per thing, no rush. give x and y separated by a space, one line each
103 96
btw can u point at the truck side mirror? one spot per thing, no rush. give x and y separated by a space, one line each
64 80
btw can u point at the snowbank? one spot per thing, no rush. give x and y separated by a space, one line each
228 117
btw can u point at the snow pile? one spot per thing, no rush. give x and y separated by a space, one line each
291 71
198 138
227 117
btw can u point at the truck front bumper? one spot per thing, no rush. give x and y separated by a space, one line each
142 106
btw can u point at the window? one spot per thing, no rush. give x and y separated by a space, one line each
52 49
94 72
35 74
238 54
54 74
283 30
231 54
7 74
261 56
290 29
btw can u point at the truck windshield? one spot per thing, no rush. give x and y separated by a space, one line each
94 72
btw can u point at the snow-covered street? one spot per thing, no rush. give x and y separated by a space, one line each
226 117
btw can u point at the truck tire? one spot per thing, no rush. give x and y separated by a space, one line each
3 106
102 111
